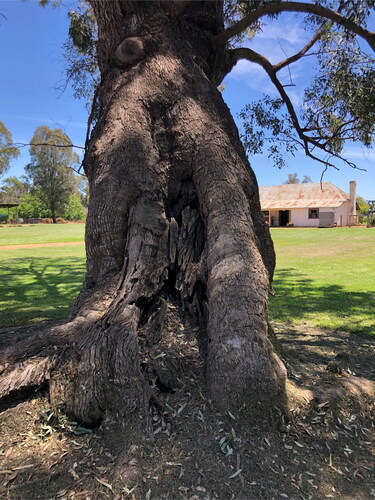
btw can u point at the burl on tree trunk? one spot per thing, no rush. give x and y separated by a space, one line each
174 210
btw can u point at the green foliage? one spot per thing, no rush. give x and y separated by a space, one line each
32 206
221 88
234 10
82 30
13 189
363 205
79 50
7 151
74 209
50 169
357 11
84 191
54 3
338 105
264 124
80 53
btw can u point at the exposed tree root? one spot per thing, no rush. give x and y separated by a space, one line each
93 369
36 343
31 373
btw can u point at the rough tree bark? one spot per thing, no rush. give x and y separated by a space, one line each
174 209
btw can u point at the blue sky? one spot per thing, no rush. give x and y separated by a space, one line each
33 69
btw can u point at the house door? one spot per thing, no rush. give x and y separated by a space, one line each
283 217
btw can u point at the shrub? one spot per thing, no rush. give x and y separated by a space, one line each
74 209
32 207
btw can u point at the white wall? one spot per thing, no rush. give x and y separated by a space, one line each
343 211
300 216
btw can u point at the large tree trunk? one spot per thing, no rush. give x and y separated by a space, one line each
174 211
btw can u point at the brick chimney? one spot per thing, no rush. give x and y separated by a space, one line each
353 197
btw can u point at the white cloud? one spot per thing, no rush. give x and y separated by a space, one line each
287 28
253 76
361 154
280 38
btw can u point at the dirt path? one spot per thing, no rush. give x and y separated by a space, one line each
40 245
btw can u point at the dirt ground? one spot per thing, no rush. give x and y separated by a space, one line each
195 452
41 245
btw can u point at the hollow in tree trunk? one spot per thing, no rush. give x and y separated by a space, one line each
173 212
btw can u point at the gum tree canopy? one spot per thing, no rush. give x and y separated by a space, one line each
174 214
50 169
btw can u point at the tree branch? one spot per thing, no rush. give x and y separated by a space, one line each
24 144
301 53
252 56
307 8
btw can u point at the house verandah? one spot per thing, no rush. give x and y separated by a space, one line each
308 205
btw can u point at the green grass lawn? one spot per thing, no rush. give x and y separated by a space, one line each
325 277
39 284
41 233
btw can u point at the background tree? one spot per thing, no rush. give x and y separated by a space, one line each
8 152
74 209
292 179
363 205
83 188
13 189
174 221
32 206
306 179
50 169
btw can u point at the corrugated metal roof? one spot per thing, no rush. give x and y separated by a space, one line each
306 195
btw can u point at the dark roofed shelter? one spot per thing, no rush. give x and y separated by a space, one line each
9 206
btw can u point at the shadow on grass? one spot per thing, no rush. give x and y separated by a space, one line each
35 289
331 306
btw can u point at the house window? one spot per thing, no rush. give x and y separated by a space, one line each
313 213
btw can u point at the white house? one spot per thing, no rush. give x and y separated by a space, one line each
309 205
